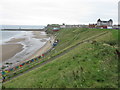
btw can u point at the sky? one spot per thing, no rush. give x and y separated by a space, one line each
43 12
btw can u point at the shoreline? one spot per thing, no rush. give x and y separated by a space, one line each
18 47
9 50
43 49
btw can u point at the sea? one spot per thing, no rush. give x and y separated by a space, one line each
21 26
7 35
30 44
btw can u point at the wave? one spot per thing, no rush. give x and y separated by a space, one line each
8 35
30 46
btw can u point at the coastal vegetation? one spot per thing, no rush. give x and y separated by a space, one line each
83 58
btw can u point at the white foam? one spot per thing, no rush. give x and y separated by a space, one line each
30 45
21 35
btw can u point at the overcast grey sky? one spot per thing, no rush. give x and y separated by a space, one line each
43 12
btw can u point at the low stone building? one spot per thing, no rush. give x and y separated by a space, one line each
92 25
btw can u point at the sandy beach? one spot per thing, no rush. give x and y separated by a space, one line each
43 49
16 40
38 35
12 47
9 50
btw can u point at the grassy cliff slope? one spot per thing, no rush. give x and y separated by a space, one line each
92 64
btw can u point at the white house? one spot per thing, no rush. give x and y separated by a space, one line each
105 23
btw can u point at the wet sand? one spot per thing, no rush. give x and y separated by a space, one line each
39 35
9 50
43 49
16 40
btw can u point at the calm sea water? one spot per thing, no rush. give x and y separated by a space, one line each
21 26
7 35
30 44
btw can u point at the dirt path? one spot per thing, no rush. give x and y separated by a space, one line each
63 53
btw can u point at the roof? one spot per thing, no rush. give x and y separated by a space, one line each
99 20
105 21
111 20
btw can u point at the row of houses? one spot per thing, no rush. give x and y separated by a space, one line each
73 26
99 24
56 26
104 24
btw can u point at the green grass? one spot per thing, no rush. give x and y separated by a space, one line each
89 65
70 37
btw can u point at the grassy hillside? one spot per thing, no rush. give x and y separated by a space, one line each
88 65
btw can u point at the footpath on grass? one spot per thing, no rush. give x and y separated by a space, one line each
58 55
